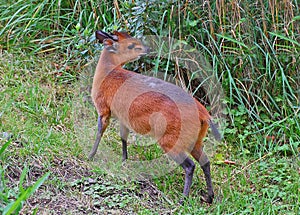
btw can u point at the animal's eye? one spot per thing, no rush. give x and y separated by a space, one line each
131 46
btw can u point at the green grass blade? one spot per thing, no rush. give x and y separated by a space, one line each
22 178
232 40
286 38
38 183
4 147
15 207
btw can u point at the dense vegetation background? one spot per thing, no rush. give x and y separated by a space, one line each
45 49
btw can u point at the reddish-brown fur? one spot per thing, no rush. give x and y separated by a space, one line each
149 106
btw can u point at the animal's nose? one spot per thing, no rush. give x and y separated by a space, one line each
147 49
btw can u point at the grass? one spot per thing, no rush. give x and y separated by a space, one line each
46 111
44 139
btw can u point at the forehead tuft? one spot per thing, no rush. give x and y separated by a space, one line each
131 41
122 35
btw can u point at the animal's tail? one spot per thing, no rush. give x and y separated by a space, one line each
214 130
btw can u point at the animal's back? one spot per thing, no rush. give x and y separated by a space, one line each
151 106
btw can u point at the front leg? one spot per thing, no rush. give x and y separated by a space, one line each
124 135
102 124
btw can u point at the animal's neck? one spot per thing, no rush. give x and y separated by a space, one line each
104 67
106 63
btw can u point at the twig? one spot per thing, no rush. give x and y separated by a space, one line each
246 167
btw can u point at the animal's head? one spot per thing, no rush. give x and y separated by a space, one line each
121 47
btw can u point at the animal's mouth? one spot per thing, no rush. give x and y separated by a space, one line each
147 51
134 59
143 54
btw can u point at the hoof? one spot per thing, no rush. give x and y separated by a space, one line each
207 198
91 156
183 200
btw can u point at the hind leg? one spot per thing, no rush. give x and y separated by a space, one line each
175 152
189 167
203 160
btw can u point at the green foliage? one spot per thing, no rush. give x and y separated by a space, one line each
14 207
113 195
254 49
30 119
12 202
52 25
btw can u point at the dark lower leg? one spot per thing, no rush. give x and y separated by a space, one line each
188 166
124 150
100 130
124 135
203 160
205 165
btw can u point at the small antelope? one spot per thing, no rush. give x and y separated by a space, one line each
149 106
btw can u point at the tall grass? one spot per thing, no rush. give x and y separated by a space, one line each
255 52
51 25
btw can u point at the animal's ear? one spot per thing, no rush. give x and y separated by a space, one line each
111 45
101 36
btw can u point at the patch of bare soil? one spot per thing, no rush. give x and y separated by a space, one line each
73 188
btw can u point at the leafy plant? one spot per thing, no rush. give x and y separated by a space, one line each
11 203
